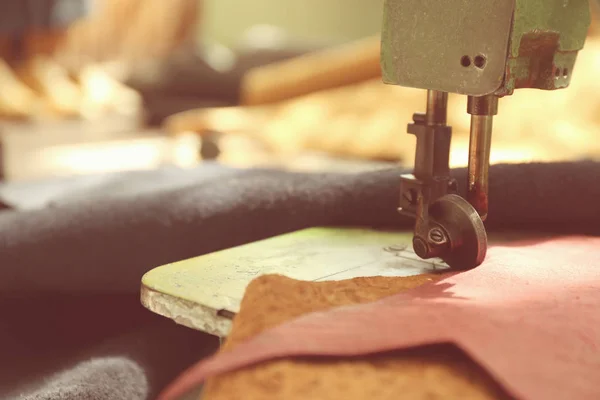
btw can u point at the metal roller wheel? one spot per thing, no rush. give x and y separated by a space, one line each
465 229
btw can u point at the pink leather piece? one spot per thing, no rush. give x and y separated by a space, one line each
530 315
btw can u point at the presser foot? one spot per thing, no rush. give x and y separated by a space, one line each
447 226
450 229
466 237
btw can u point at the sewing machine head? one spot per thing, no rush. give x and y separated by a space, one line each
483 49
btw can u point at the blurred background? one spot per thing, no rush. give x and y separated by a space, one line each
94 86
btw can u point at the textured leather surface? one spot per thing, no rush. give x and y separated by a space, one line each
528 316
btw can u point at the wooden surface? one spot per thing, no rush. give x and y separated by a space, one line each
321 70
204 293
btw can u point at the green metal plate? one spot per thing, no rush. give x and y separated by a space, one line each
205 292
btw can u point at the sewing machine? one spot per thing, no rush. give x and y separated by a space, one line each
484 50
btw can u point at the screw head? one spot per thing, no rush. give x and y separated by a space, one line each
437 236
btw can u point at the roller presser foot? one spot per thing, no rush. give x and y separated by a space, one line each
448 226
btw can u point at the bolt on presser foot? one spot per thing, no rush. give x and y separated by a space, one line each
447 225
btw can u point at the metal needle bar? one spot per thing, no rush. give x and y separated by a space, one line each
482 110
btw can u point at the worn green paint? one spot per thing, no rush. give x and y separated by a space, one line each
218 280
570 18
204 293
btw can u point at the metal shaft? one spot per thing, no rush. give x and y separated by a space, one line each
482 110
431 147
437 106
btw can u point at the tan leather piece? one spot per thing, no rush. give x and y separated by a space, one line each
434 372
